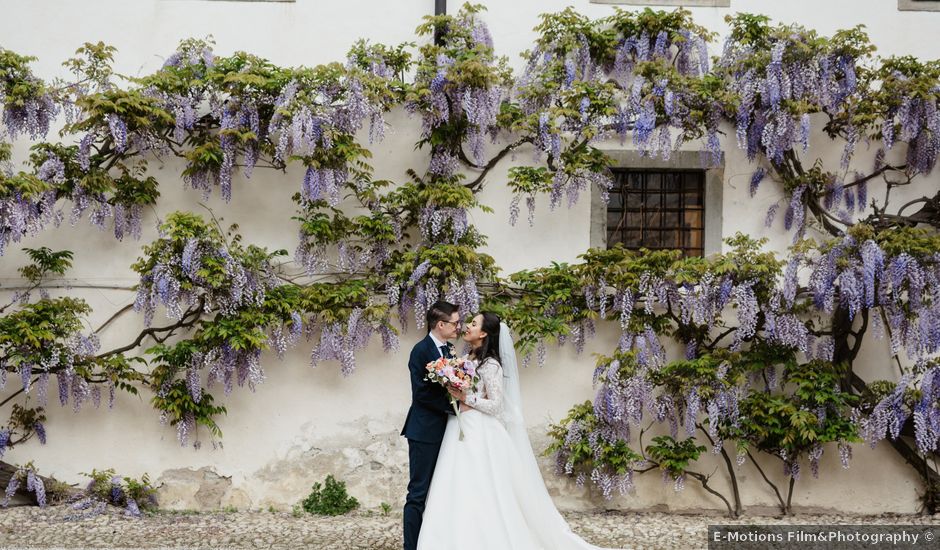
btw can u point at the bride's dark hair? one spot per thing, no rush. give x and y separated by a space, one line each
489 347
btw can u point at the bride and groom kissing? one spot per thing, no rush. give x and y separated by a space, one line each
483 491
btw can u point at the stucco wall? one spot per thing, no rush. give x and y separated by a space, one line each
304 422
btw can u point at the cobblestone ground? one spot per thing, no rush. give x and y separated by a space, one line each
28 527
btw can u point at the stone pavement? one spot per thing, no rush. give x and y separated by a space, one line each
30 527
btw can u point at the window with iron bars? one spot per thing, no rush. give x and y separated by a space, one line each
657 210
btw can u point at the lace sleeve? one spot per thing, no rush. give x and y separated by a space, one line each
489 395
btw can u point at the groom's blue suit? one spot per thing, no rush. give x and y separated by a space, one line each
424 428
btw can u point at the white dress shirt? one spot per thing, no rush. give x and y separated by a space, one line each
437 343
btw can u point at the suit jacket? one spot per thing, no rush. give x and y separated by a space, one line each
430 403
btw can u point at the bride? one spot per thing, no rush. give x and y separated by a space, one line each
487 491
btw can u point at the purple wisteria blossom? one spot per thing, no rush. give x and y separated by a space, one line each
31 116
888 415
927 412
764 123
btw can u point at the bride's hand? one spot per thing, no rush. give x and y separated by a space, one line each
459 395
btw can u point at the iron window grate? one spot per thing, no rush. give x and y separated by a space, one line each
657 210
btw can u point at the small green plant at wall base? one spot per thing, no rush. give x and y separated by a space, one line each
329 499
386 508
296 511
133 494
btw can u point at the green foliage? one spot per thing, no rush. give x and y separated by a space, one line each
142 113
92 63
790 424
544 304
474 65
18 86
755 37
397 57
549 304
703 374
22 183
172 397
917 242
31 333
898 77
674 456
45 261
329 499
749 28
563 30
212 279
652 22
142 491
530 180
100 484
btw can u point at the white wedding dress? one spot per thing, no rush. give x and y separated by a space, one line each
487 492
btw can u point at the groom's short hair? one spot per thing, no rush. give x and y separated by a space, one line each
440 311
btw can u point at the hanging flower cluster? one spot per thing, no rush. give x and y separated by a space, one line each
318 112
45 338
580 449
27 105
586 80
444 272
460 85
891 274
781 75
26 205
907 102
192 263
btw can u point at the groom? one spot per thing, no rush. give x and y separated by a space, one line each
427 417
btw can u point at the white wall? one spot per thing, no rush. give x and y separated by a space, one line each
305 423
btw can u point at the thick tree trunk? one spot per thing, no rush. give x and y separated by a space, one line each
842 352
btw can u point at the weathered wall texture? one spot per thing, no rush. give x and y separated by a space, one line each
304 423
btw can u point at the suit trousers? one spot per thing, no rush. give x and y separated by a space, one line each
422 458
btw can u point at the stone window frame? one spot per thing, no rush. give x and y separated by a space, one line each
684 3
679 160
269 1
918 5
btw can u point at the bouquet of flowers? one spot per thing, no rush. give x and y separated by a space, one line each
459 373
